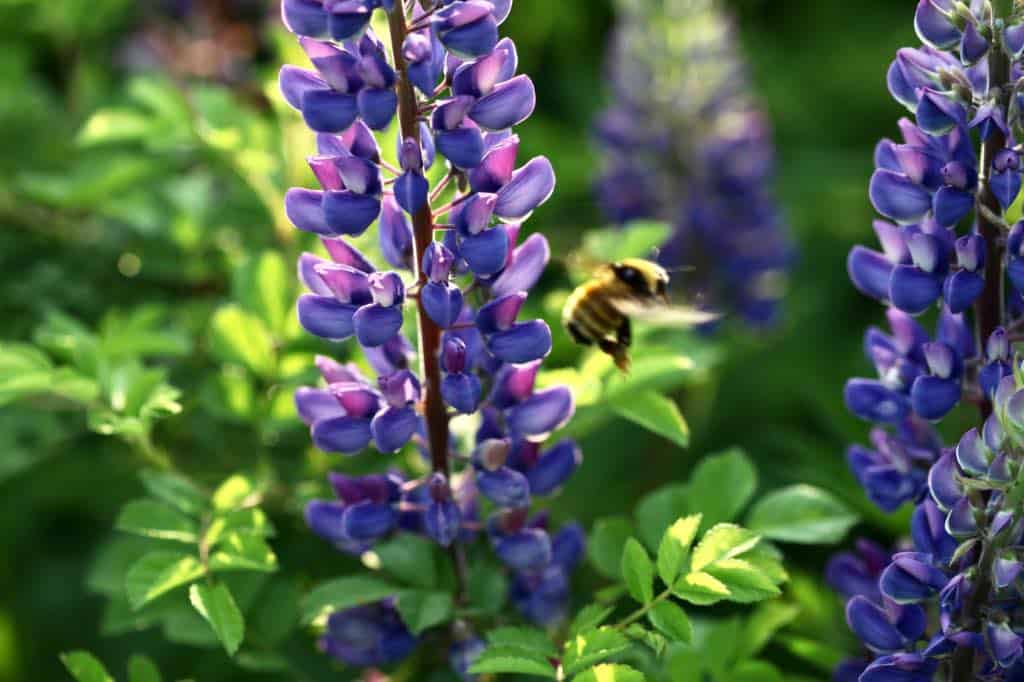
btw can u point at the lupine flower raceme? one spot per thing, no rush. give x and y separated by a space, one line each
448 211
948 607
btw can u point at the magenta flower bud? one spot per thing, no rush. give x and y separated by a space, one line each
326 317
314 404
346 283
386 288
541 414
474 214
343 253
529 187
513 384
356 399
400 389
325 168
442 301
453 355
437 262
500 314
396 240
496 168
304 208
478 78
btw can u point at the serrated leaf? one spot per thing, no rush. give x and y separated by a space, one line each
342 593
610 672
157 573
675 546
174 489
657 510
236 491
801 514
590 647
744 581
700 588
671 621
240 551
153 519
724 541
85 667
216 605
252 521
497 660
605 545
589 617
769 561
654 641
654 412
422 609
143 669
731 469
637 571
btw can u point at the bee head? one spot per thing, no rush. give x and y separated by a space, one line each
644 278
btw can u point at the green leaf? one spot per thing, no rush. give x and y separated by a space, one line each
238 336
143 669
671 621
265 285
658 510
591 647
654 412
175 490
497 660
252 521
157 573
154 519
675 546
606 542
638 240
762 625
724 541
217 606
409 558
700 588
85 667
651 639
610 672
422 609
589 617
241 551
530 640
638 571
342 593
236 491
732 471
487 588
823 656
801 514
744 581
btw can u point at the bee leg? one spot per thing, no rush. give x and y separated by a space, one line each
624 334
577 334
619 353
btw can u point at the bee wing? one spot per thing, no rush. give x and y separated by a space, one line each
665 315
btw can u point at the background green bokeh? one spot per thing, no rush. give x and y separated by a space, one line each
187 214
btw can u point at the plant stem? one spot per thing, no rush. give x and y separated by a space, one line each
429 334
988 315
642 611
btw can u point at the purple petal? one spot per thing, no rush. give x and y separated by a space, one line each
347 435
526 550
304 18
542 413
377 106
461 392
872 401
895 196
913 290
326 317
524 342
411 191
327 111
509 104
933 398
350 213
343 253
495 171
304 208
500 314
393 427
870 272
961 289
485 253
514 384
933 27
528 263
870 623
374 324
554 468
314 404
442 302
504 486
396 240
529 187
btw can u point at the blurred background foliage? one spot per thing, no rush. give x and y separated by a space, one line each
145 256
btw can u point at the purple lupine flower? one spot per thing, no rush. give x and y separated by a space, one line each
944 191
461 82
684 142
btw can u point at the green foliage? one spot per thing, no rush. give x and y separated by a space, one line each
216 605
801 513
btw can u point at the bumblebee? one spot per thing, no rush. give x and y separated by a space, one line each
599 311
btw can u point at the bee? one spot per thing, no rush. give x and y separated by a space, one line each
600 310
